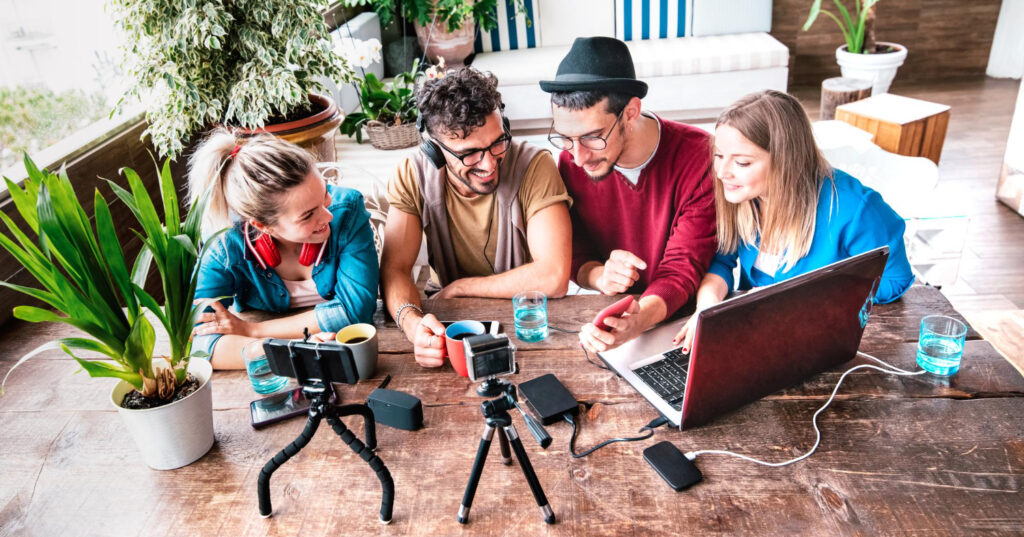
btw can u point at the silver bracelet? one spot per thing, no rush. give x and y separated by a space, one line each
401 311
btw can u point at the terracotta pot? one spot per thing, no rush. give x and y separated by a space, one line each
880 67
173 435
315 133
454 47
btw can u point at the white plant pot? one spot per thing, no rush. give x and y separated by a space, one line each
880 69
174 435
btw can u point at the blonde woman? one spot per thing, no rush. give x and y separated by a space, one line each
293 242
782 210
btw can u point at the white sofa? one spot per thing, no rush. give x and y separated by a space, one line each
697 56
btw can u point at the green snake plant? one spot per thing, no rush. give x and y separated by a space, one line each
86 280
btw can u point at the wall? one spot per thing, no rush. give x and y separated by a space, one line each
946 38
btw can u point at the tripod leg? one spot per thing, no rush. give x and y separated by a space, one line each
369 424
263 483
387 485
506 455
531 476
474 474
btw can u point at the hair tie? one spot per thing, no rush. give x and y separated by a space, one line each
235 151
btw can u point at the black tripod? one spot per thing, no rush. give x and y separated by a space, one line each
497 417
318 391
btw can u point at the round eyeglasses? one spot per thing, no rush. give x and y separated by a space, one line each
473 157
590 141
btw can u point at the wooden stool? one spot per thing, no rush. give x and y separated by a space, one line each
901 125
839 90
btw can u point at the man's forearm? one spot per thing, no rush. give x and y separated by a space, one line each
652 311
399 289
535 276
586 277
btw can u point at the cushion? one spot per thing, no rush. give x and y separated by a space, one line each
716 17
652 58
514 31
652 19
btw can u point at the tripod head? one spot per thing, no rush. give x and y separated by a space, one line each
497 409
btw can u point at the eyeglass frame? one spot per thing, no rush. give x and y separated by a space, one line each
506 136
572 144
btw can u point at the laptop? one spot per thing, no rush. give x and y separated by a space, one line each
754 344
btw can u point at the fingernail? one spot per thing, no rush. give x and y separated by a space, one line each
685 349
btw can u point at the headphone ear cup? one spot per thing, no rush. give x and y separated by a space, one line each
433 153
267 250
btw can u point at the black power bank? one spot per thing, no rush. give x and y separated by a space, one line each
548 399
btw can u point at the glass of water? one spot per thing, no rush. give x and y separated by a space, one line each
258 368
531 313
940 347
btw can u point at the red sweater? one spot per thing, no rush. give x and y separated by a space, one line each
667 219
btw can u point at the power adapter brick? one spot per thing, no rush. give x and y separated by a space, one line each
548 398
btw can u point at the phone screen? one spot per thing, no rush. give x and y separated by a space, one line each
278 407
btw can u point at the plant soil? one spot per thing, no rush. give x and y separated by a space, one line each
310 108
135 400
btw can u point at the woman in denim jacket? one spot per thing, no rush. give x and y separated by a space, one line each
293 241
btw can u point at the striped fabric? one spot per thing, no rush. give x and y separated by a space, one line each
712 54
513 32
652 19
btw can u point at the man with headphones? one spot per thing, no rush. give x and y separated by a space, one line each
494 211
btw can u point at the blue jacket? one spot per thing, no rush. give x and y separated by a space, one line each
851 220
347 275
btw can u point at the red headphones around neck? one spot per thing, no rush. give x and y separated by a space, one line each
265 251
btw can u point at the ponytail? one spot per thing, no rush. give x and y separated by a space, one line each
206 178
249 173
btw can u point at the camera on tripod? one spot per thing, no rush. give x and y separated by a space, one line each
489 356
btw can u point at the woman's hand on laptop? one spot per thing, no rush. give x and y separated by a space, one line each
685 335
622 329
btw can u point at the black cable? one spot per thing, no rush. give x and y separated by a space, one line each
592 362
563 330
650 427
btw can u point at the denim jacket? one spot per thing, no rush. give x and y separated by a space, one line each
347 275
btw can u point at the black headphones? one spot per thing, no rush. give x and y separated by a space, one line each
434 153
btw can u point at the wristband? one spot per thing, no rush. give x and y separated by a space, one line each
401 311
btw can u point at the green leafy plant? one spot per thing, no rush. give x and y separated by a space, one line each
451 12
195 64
857 27
392 104
85 277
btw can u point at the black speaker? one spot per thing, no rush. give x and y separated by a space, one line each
396 409
434 153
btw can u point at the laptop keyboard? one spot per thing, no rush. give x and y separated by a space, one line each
667 377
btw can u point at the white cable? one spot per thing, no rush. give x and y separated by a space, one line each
814 421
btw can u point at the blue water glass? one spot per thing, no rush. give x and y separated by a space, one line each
940 347
531 314
258 368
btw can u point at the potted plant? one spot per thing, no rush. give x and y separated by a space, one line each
445 28
386 110
255 65
165 401
862 57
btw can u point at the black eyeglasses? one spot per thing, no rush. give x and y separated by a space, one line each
473 157
590 141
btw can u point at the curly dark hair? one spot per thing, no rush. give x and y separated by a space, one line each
458 103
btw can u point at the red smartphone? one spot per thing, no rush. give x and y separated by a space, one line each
614 310
278 407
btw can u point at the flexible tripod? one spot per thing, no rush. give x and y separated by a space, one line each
497 418
316 380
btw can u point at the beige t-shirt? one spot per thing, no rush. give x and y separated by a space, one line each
471 218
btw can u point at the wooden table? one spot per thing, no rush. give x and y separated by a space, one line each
899 455
901 125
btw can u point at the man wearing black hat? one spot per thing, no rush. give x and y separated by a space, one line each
643 215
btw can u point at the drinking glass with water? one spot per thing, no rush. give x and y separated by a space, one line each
940 347
258 368
531 314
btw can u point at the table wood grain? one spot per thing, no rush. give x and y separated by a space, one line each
899 456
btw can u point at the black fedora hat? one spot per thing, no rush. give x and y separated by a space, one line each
596 63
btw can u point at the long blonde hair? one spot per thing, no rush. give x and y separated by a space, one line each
775 122
246 183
